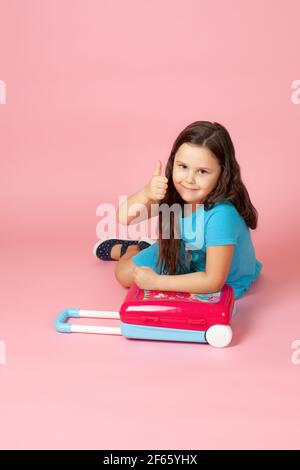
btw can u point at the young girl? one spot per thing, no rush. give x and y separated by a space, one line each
201 172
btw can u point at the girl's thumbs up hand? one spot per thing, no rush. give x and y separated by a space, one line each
158 168
158 184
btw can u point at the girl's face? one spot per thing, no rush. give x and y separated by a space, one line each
196 171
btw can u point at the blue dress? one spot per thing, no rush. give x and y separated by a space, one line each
221 225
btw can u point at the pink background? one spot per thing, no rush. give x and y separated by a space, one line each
97 91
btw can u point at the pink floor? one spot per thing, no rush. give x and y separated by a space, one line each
90 391
95 95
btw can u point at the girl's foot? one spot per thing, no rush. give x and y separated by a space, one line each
109 249
116 251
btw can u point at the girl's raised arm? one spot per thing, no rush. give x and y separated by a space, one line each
152 192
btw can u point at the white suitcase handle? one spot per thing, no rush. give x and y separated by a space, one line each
62 326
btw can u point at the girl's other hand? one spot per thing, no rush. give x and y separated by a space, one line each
158 185
146 278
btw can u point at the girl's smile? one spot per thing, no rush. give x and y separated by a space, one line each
190 189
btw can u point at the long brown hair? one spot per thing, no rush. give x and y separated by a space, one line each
230 187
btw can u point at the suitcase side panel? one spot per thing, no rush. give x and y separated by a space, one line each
164 334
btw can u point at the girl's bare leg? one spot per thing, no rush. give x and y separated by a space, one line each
124 267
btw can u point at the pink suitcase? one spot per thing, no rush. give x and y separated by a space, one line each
167 316
178 316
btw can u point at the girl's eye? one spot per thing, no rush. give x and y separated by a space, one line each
202 172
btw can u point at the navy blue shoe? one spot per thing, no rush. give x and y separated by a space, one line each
143 244
102 249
